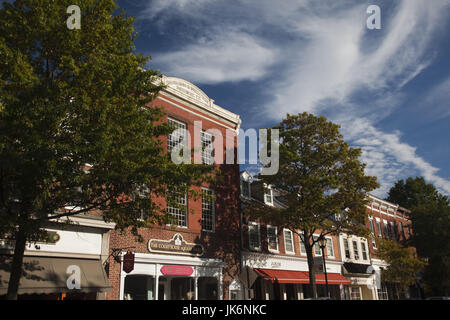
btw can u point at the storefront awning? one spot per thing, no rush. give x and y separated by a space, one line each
288 276
358 269
44 275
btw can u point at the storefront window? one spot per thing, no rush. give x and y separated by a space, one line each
139 287
207 288
182 289
355 293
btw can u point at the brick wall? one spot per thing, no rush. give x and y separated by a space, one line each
224 242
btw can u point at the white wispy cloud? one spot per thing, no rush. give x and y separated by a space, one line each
330 61
387 157
228 56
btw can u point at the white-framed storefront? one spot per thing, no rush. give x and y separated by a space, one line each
378 265
149 264
254 260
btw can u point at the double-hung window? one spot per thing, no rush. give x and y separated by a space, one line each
364 250
272 238
302 246
372 236
207 148
317 250
355 250
177 209
178 137
245 188
347 248
254 236
288 241
386 229
268 197
330 249
208 218
379 228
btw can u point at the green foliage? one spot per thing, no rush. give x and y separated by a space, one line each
75 97
319 176
321 180
430 217
404 264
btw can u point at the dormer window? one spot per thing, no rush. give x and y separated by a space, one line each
245 189
268 197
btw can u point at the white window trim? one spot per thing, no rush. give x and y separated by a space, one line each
277 250
315 237
365 245
271 196
332 247
293 242
259 236
357 248
302 253
179 122
187 216
379 232
213 212
350 253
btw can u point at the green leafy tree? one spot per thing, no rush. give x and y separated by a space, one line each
78 132
430 218
322 183
404 264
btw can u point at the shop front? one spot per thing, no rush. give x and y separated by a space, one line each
169 277
287 278
67 266
362 281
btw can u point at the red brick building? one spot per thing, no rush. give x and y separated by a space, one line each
274 259
386 220
197 256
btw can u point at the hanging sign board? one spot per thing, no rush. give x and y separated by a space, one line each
128 262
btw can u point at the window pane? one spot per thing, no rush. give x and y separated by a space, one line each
289 245
178 214
138 287
176 139
246 189
253 231
268 196
207 148
207 288
379 229
355 250
302 247
207 210
317 250
364 250
330 251
347 248
272 238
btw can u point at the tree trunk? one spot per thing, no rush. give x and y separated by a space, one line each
16 266
312 272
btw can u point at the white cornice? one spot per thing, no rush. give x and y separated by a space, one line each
86 221
189 92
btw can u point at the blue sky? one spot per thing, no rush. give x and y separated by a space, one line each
389 89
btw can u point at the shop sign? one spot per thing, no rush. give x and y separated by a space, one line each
128 262
177 270
176 245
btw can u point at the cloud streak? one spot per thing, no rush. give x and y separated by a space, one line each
317 56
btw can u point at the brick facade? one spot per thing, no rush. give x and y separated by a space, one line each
224 242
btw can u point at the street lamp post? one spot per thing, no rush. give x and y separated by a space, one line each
323 243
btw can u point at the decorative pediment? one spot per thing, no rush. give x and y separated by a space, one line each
188 89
